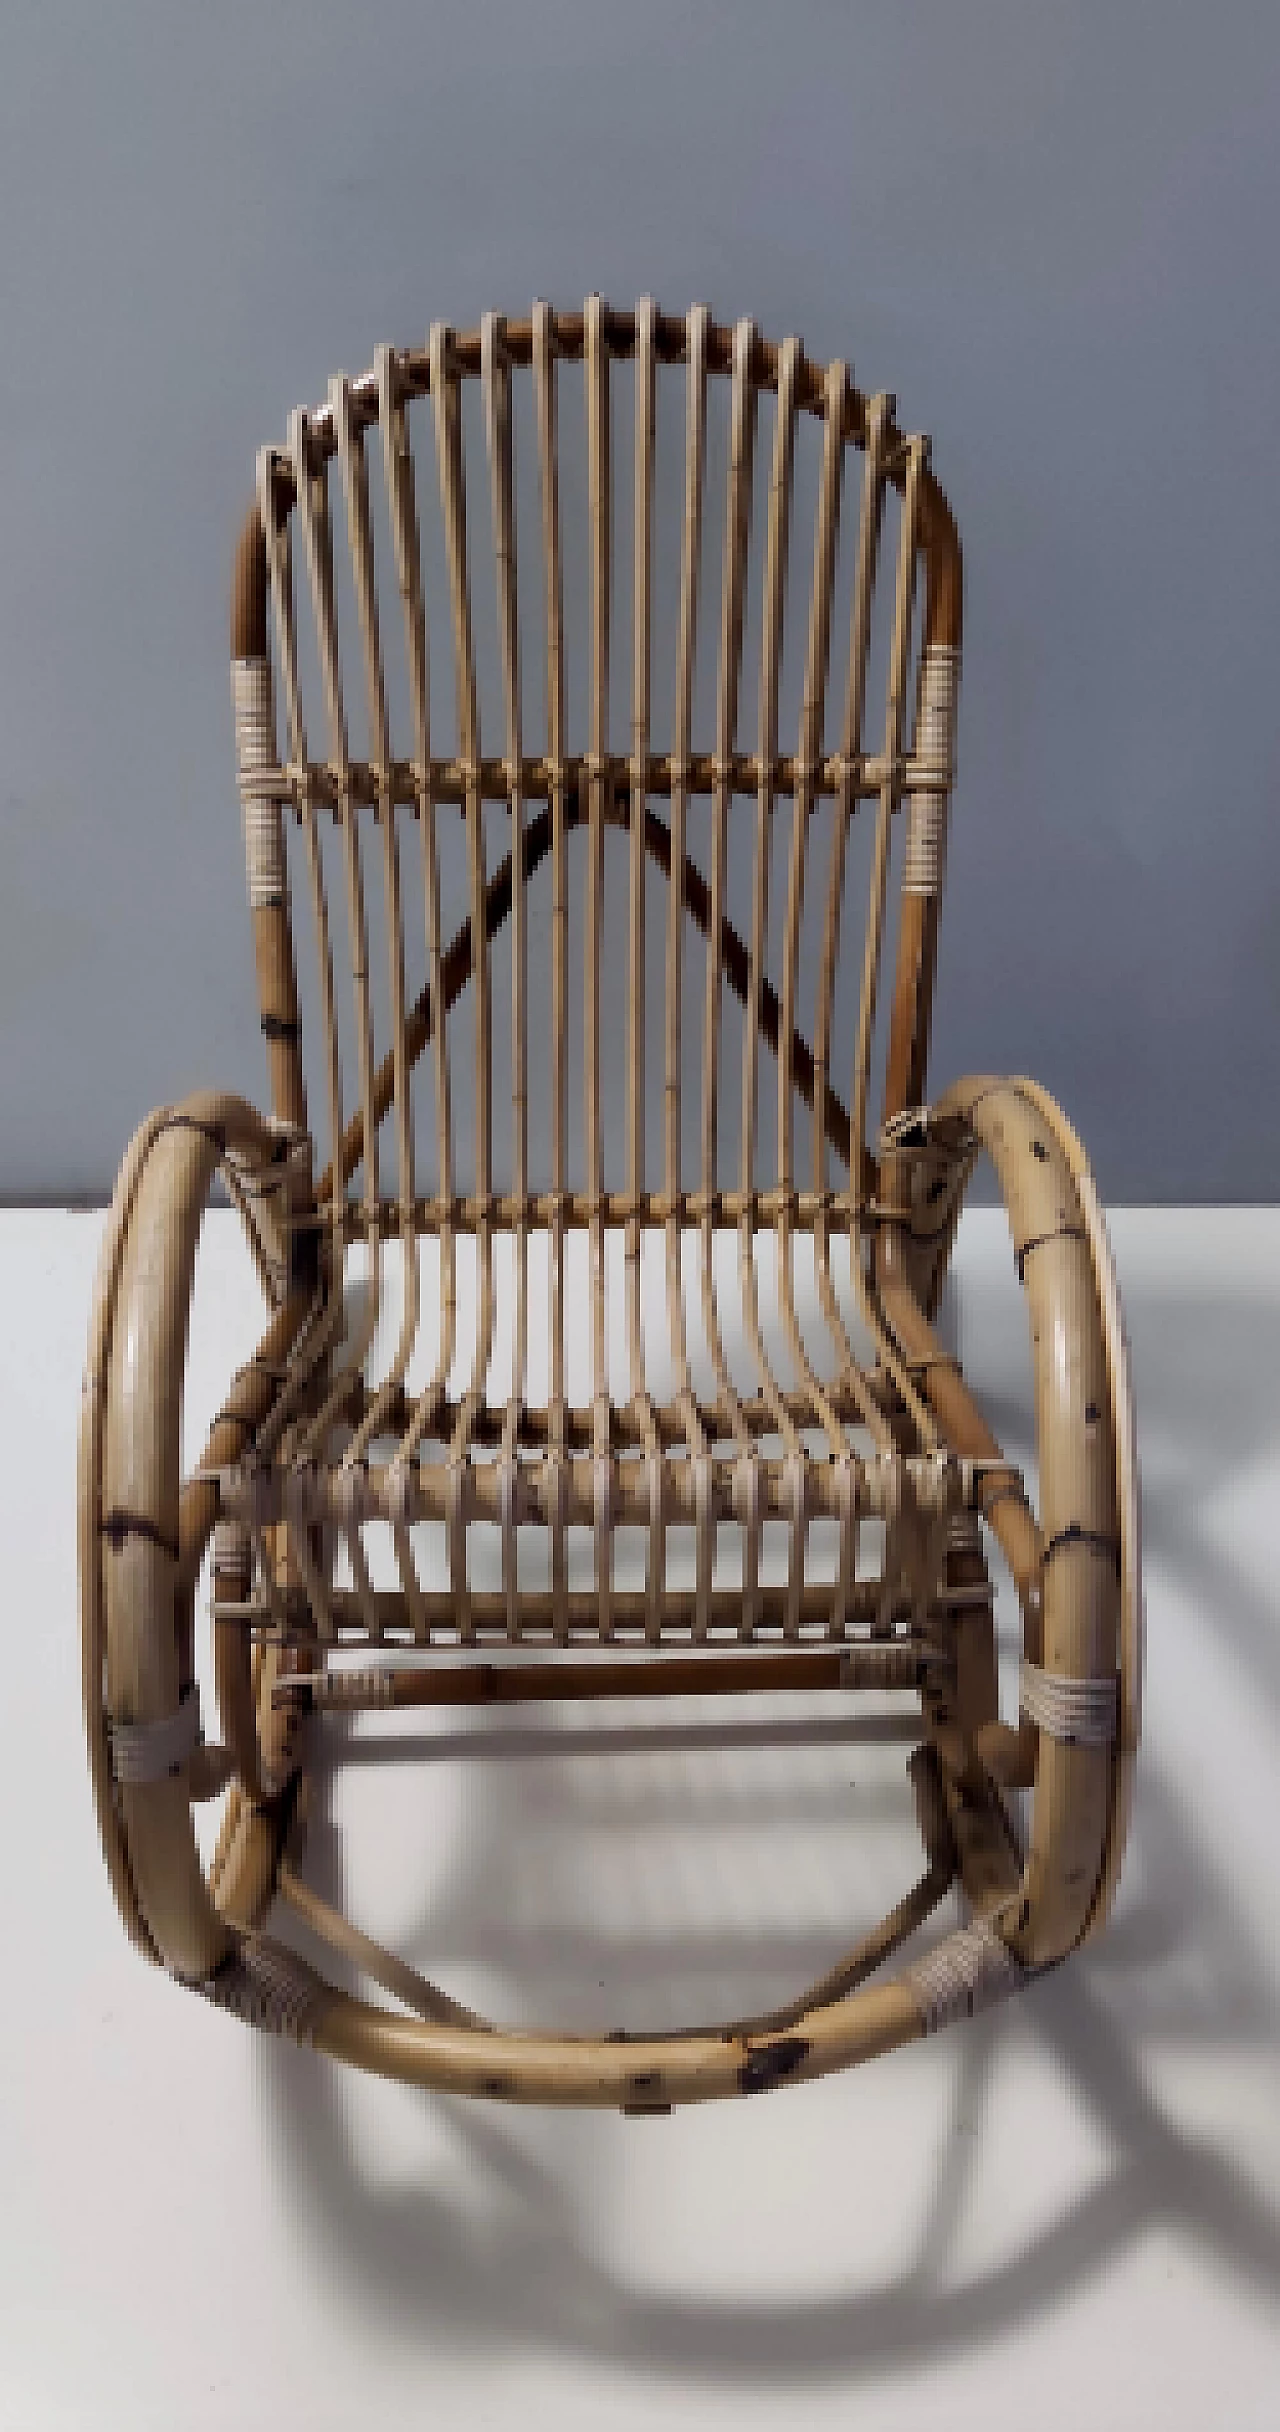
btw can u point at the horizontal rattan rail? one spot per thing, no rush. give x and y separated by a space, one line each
395 1392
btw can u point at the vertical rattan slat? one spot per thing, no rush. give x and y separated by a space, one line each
544 381
600 519
403 516
742 431
280 583
313 508
781 475
808 755
879 416
264 794
641 656
355 485
496 381
889 792
895 710
696 328
777 534
316 1339
280 578
447 409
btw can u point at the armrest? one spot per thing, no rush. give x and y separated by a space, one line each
1078 1566
141 1535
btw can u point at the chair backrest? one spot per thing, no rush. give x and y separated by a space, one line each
666 834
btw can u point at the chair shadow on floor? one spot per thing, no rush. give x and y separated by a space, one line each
1179 1970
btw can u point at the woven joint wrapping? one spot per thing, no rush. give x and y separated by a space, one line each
337 1690
935 731
256 753
884 1664
267 1987
151 1752
968 1972
964 1532
1082 1713
232 1560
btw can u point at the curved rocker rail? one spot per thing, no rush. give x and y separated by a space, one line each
1078 1569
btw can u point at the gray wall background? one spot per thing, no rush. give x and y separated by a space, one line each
1052 230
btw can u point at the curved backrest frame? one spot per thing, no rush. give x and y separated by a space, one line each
553 794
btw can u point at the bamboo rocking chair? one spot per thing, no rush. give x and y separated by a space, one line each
603 867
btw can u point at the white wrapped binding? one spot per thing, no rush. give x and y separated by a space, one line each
152 1752
332 1691
935 735
968 1972
232 1561
268 1987
1082 1713
255 755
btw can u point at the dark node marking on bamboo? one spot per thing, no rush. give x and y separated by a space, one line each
304 1262
249 590
274 1026
644 2095
1062 1232
498 2088
119 1526
771 2064
1093 1538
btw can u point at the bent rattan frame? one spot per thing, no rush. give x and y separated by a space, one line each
310 1453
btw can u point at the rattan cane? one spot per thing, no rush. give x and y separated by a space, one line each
639 810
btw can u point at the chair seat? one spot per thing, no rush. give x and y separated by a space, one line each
796 1528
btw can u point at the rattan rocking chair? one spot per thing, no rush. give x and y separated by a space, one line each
860 1427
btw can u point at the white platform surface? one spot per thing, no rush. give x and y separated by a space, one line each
1065 2213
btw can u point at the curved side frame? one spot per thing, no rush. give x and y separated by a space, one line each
1133 1628
1078 1567
142 1535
